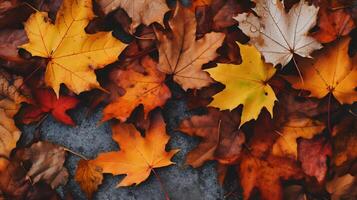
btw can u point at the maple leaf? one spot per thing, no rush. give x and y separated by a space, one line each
332 23
72 54
140 11
259 173
89 176
138 155
148 89
279 35
286 144
10 99
331 72
181 55
313 153
245 84
48 156
48 103
221 138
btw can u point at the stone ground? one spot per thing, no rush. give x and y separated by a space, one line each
89 138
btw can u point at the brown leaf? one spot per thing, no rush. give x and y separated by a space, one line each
145 12
221 138
10 99
332 23
343 187
89 176
9 41
345 141
13 13
181 55
224 11
148 89
14 184
47 163
313 153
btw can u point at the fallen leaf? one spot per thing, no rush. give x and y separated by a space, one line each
89 176
331 72
15 186
148 89
294 192
181 55
47 102
286 144
138 155
279 35
47 163
343 187
221 138
199 3
313 153
10 99
72 54
246 84
140 11
13 13
9 41
263 136
224 11
345 141
332 23
266 175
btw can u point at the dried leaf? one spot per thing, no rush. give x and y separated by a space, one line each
89 177
181 55
279 35
332 23
10 99
140 11
343 187
148 89
313 153
47 163
266 175
221 138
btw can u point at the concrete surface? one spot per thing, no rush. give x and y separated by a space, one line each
181 182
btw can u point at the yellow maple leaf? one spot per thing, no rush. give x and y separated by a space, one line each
72 54
138 155
245 84
295 128
331 72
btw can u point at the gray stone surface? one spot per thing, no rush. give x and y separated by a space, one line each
90 138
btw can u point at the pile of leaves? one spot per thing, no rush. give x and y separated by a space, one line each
271 85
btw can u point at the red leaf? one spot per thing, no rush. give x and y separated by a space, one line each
47 102
313 156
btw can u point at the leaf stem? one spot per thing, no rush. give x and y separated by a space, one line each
161 184
297 68
75 153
